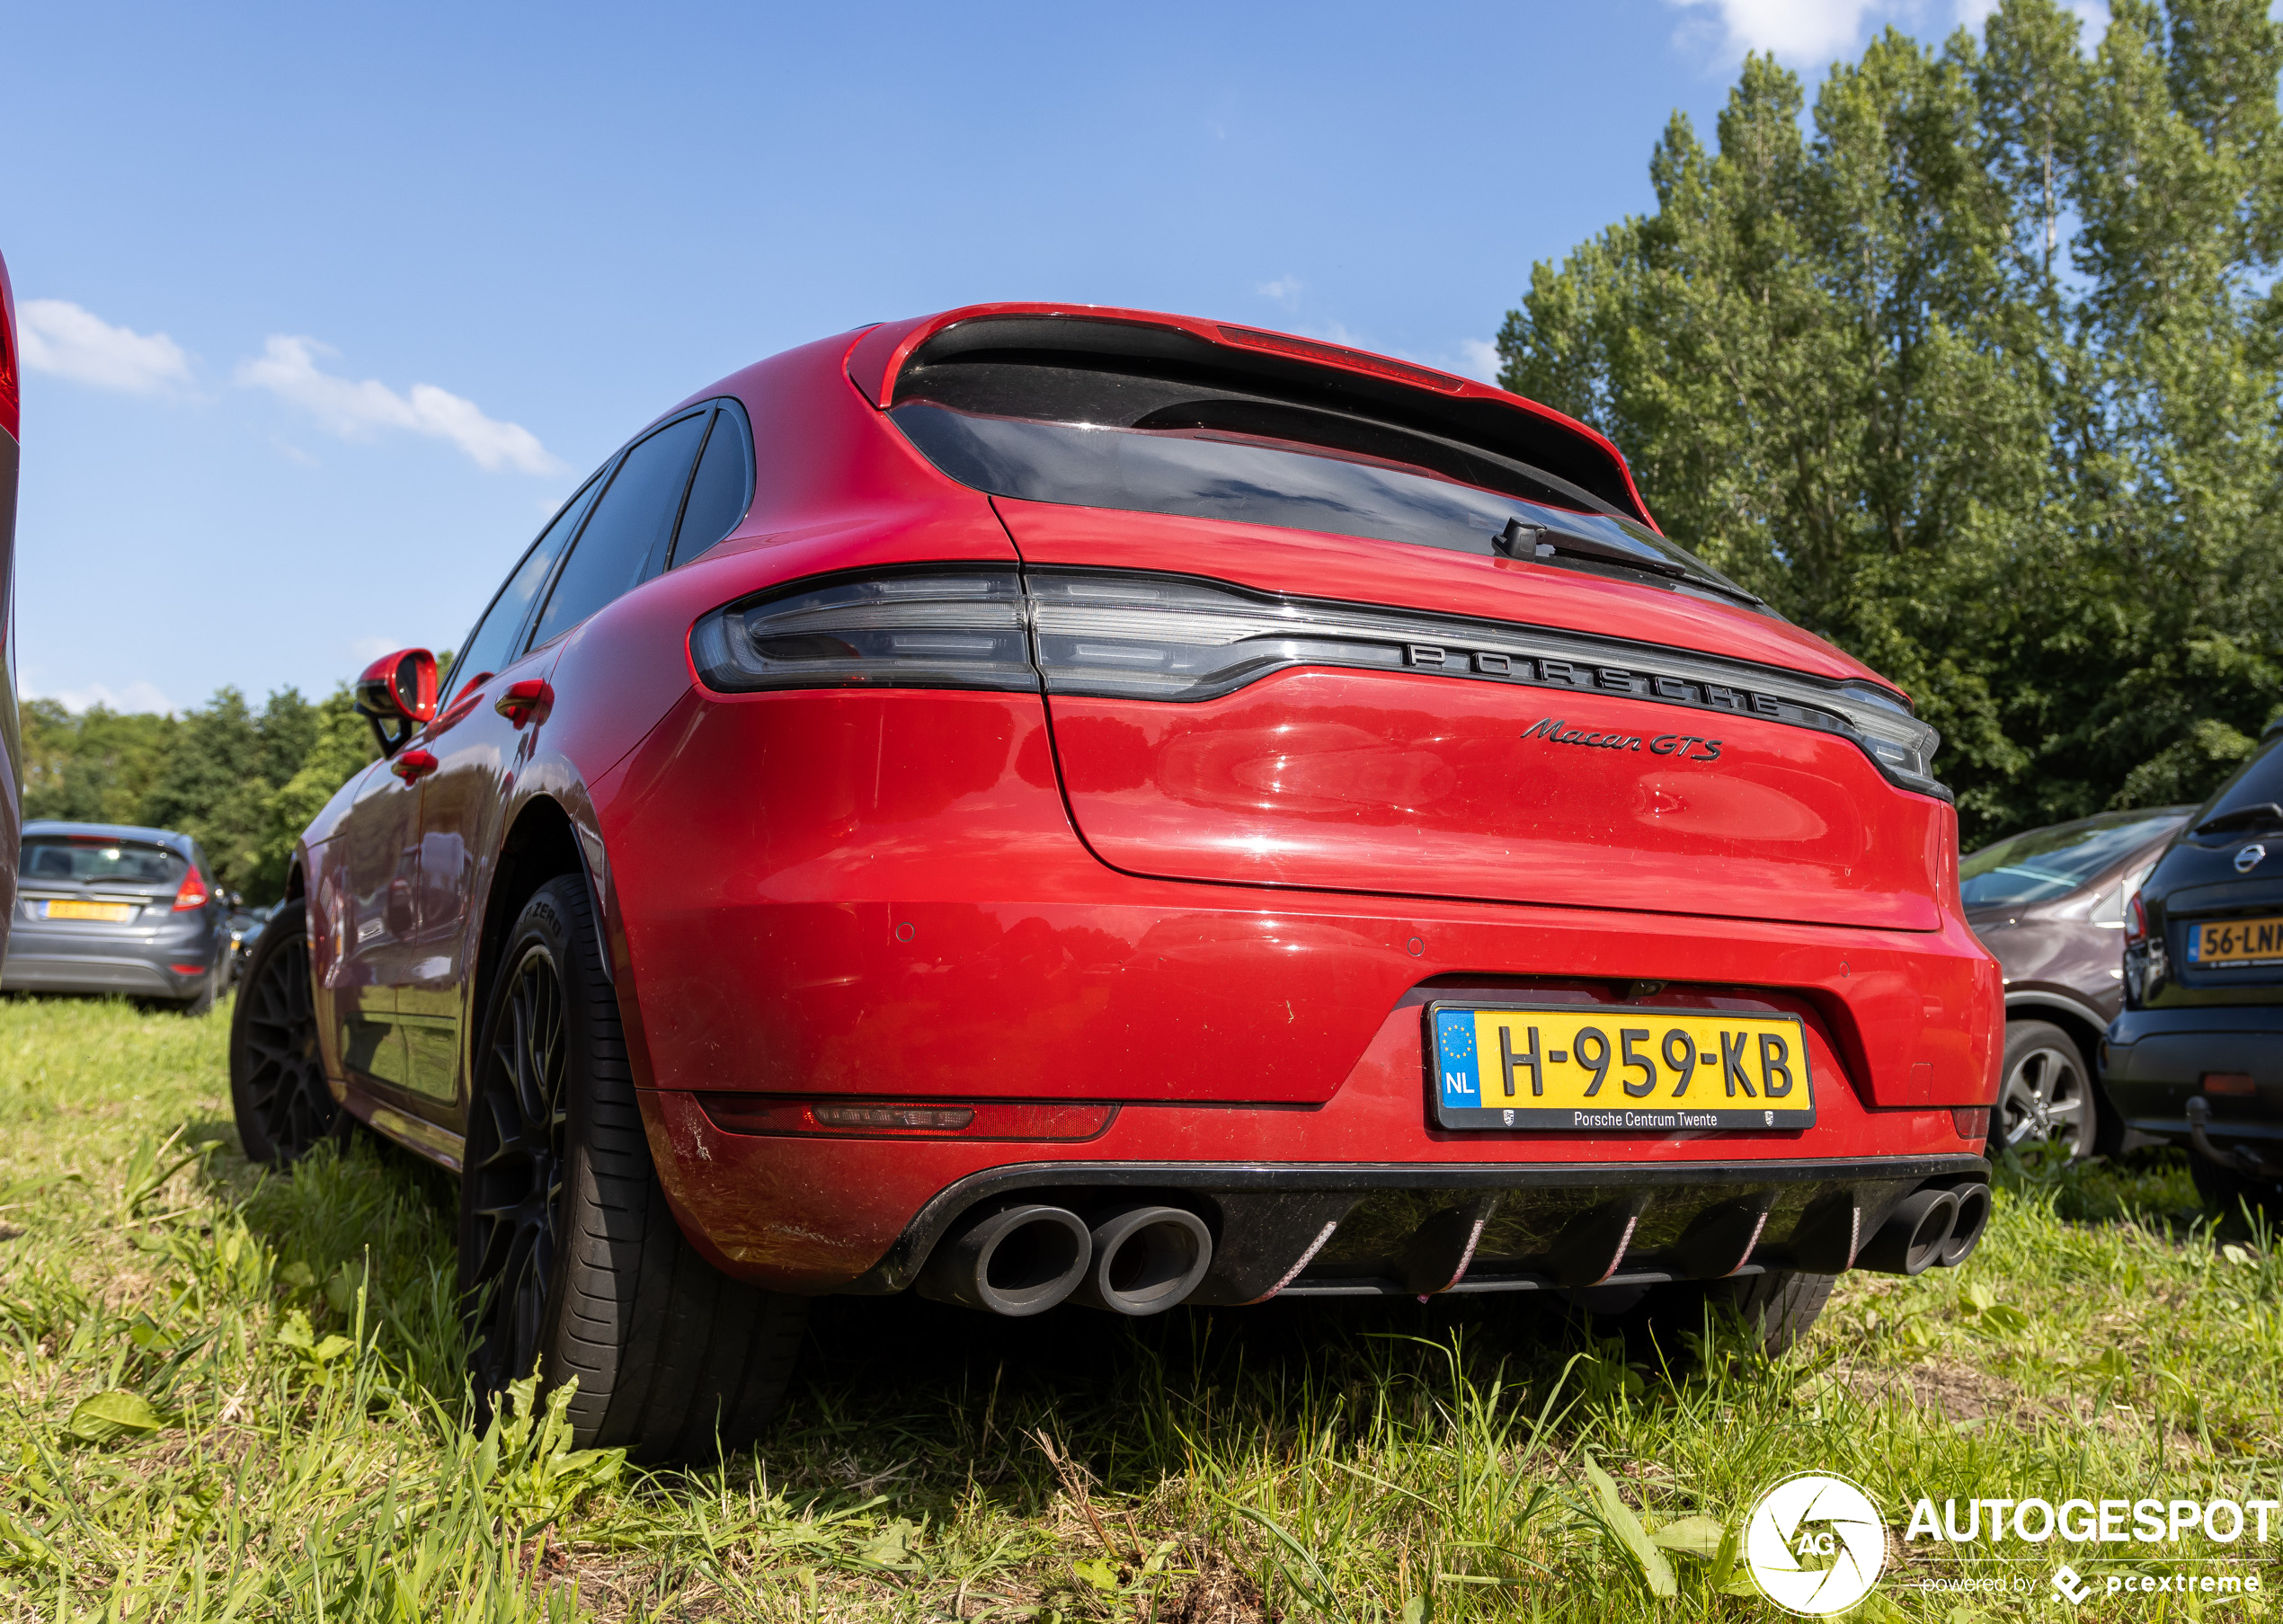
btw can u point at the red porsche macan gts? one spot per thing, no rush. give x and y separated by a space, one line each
1046 803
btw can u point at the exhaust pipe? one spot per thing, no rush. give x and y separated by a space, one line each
1966 1232
1145 1259
1912 1239
1015 1261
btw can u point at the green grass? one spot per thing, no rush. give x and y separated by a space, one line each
231 1396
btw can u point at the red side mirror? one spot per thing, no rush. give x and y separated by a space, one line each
397 695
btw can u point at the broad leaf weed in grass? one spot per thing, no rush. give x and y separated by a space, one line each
227 1394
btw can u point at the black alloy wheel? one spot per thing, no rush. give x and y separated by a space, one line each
513 1179
2046 1094
278 1088
571 1262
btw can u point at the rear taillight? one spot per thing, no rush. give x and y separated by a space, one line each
1125 633
193 893
946 627
2135 919
1972 1121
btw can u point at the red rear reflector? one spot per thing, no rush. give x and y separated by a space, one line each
1283 344
2229 1082
193 893
187 969
983 1119
1972 1121
941 1119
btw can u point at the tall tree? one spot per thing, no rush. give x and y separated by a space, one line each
1974 376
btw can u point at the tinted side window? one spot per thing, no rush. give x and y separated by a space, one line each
488 646
723 489
632 524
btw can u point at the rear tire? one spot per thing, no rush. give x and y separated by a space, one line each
278 1088
202 1001
570 1260
1778 1308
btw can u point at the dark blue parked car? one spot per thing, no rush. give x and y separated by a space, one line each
2197 1055
102 907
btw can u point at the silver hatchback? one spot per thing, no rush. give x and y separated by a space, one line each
102 907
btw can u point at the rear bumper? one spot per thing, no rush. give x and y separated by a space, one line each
99 958
816 1213
32 972
2153 1063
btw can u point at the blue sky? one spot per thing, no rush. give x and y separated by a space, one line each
328 307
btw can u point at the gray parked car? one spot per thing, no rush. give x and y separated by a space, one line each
2050 905
101 908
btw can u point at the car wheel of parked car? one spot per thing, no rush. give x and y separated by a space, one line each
1779 1307
570 1260
278 1088
202 1003
2046 1093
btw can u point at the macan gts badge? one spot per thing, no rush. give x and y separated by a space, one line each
1047 805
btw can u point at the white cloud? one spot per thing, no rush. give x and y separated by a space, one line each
1285 290
61 338
134 696
287 368
1811 31
1811 34
1478 358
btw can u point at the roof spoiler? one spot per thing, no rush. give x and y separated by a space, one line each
1441 402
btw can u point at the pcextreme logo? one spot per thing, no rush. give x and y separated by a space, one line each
1815 1543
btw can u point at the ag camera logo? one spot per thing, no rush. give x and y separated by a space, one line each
1815 1543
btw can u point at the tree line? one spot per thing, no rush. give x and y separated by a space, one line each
242 782
1977 374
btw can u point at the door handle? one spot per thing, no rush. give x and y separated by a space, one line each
413 766
528 700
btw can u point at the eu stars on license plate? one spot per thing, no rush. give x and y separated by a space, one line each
1617 1068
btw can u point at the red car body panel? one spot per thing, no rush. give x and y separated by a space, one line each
11 737
1355 781
945 896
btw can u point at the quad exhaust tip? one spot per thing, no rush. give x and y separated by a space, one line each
1024 1259
1916 1234
1017 1261
1146 1259
1973 1218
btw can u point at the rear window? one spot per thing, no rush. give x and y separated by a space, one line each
91 860
1098 439
2048 862
2258 783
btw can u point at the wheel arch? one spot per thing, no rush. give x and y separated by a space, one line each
2084 1026
542 844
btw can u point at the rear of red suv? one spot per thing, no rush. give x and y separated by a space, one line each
1198 814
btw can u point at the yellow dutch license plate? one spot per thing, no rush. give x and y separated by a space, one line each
1617 1068
112 911
2237 941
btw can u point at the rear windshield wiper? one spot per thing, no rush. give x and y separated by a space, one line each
2263 815
1521 539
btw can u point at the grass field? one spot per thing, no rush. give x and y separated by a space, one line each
229 1396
